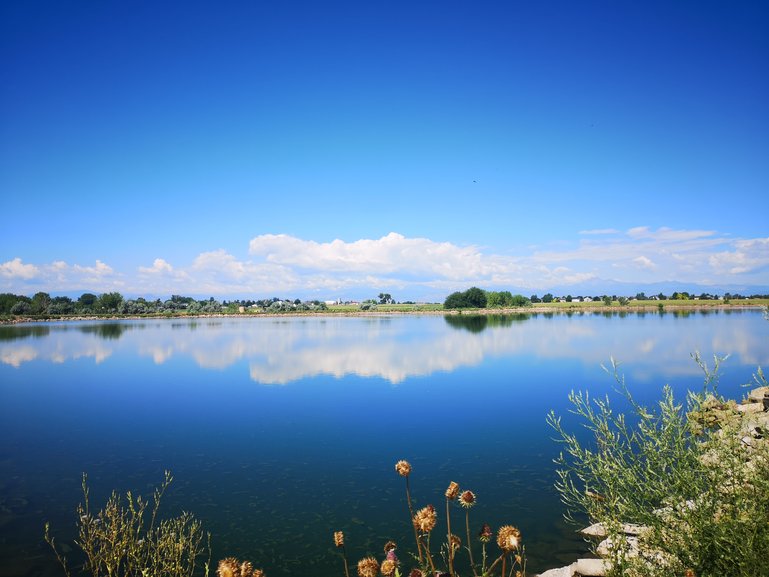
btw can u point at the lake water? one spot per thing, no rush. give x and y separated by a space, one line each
280 431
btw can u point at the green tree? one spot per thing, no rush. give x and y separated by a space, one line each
547 298
475 297
61 306
40 303
7 300
385 299
87 300
109 302
519 301
471 298
455 300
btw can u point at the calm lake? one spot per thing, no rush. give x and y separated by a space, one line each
281 430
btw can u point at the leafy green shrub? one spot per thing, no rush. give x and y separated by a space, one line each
117 543
700 493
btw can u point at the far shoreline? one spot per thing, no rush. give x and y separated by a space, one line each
420 310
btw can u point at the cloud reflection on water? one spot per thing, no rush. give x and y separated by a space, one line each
283 350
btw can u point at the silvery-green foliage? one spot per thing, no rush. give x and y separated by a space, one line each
702 493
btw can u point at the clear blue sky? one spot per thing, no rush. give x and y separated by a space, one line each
342 149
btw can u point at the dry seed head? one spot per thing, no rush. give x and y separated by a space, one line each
403 468
485 533
467 499
339 538
388 567
258 573
389 546
368 567
456 542
508 538
229 567
246 569
425 519
416 573
452 491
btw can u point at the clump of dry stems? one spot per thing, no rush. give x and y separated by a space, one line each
511 561
119 541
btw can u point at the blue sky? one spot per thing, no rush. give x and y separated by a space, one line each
342 149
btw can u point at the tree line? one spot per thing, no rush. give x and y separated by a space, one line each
475 297
43 304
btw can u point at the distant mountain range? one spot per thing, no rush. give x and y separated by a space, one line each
601 287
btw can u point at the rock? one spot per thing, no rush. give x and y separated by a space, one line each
757 395
598 531
567 571
604 547
751 408
591 567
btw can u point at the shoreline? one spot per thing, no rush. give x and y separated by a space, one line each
559 308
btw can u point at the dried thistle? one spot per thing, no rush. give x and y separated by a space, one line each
467 499
403 468
388 567
508 538
416 573
455 541
338 538
484 535
452 491
339 542
425 519
368 567
389 546
229 567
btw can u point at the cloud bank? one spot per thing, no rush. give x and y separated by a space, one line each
285 265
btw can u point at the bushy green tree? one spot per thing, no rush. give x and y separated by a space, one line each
7 300
109 302
471 298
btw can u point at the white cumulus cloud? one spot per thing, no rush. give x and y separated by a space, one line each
159 266
17 269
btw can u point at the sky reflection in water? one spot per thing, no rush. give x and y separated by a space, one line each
274 470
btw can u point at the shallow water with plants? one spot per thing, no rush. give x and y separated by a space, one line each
280 431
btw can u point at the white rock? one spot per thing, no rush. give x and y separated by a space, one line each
604 547
591 567
598 530
751 408
595 530
567 571
757 395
